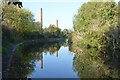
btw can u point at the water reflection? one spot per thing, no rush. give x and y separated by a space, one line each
41 61
55 60
90 64
51 60
57 53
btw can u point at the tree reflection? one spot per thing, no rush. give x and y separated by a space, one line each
23 61
93 63
21 65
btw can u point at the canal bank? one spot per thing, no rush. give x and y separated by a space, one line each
6 59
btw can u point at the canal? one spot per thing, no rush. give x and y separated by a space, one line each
42 60
60 60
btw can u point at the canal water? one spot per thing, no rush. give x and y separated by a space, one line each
51 60
56 65
60 60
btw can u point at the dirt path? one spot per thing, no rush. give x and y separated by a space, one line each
7 58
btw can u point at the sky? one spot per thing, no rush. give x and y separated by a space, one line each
61 10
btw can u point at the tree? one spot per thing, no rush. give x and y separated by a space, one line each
98 25
52 31
101 17
19 20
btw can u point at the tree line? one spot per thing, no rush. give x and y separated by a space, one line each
97 29
18 24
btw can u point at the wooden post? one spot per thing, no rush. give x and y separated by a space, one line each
57 23
41 21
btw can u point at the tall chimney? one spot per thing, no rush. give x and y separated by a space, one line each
57 23
41 21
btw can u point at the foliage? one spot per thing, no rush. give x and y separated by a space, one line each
23 61
19 25
52 31
99 32
90 65
92 27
